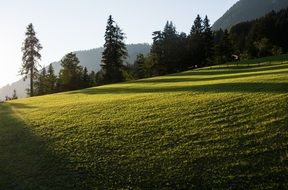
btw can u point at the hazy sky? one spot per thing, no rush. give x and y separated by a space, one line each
68 25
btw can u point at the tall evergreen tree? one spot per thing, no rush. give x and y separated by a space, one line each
197 28
31 48
228 47
170 48
140 66
224 50
51 80
182 52
85 78
114 53
208 40
156 52
70 74
92 79
41 83
196 46
165 48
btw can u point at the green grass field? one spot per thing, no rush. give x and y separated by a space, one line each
220 128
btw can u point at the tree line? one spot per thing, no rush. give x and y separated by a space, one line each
71 76
175 52
171 52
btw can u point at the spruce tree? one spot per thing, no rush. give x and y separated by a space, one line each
227 46
224 49
140 66
70 74
165 49
196 43
159 67
51 80
114 53
92 79
41 83
197 28
170 48
208 40
31 48
85 78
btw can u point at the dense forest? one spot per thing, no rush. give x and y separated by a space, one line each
171 52
262 37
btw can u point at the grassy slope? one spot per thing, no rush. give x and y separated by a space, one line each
214 127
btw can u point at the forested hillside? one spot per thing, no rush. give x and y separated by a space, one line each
262 37
247 10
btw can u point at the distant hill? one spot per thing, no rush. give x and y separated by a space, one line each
88 58
247 10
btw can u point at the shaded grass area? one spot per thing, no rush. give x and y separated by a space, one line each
220 128
25 160
209 88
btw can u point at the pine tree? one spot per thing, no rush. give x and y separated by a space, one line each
114 53
70 74
140 66
197 28
31 48
208 40
227 46
183 51
51 80
196 45
165 49
92 79
41 83
85 78
170 48
156 52
224 49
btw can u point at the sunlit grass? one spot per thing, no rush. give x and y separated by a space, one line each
209 128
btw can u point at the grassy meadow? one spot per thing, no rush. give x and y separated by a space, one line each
215 127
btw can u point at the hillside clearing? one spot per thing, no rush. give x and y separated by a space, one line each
221 128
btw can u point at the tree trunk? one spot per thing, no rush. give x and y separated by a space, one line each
31 82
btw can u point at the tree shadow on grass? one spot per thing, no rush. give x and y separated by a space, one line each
240 69
25 160
20 105
176 79
208 88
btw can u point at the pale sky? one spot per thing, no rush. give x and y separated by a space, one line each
63 26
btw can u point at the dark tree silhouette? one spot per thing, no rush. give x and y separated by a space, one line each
51 80
208 40
41 83
31 48
114 53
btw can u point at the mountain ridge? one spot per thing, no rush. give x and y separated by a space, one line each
247 10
